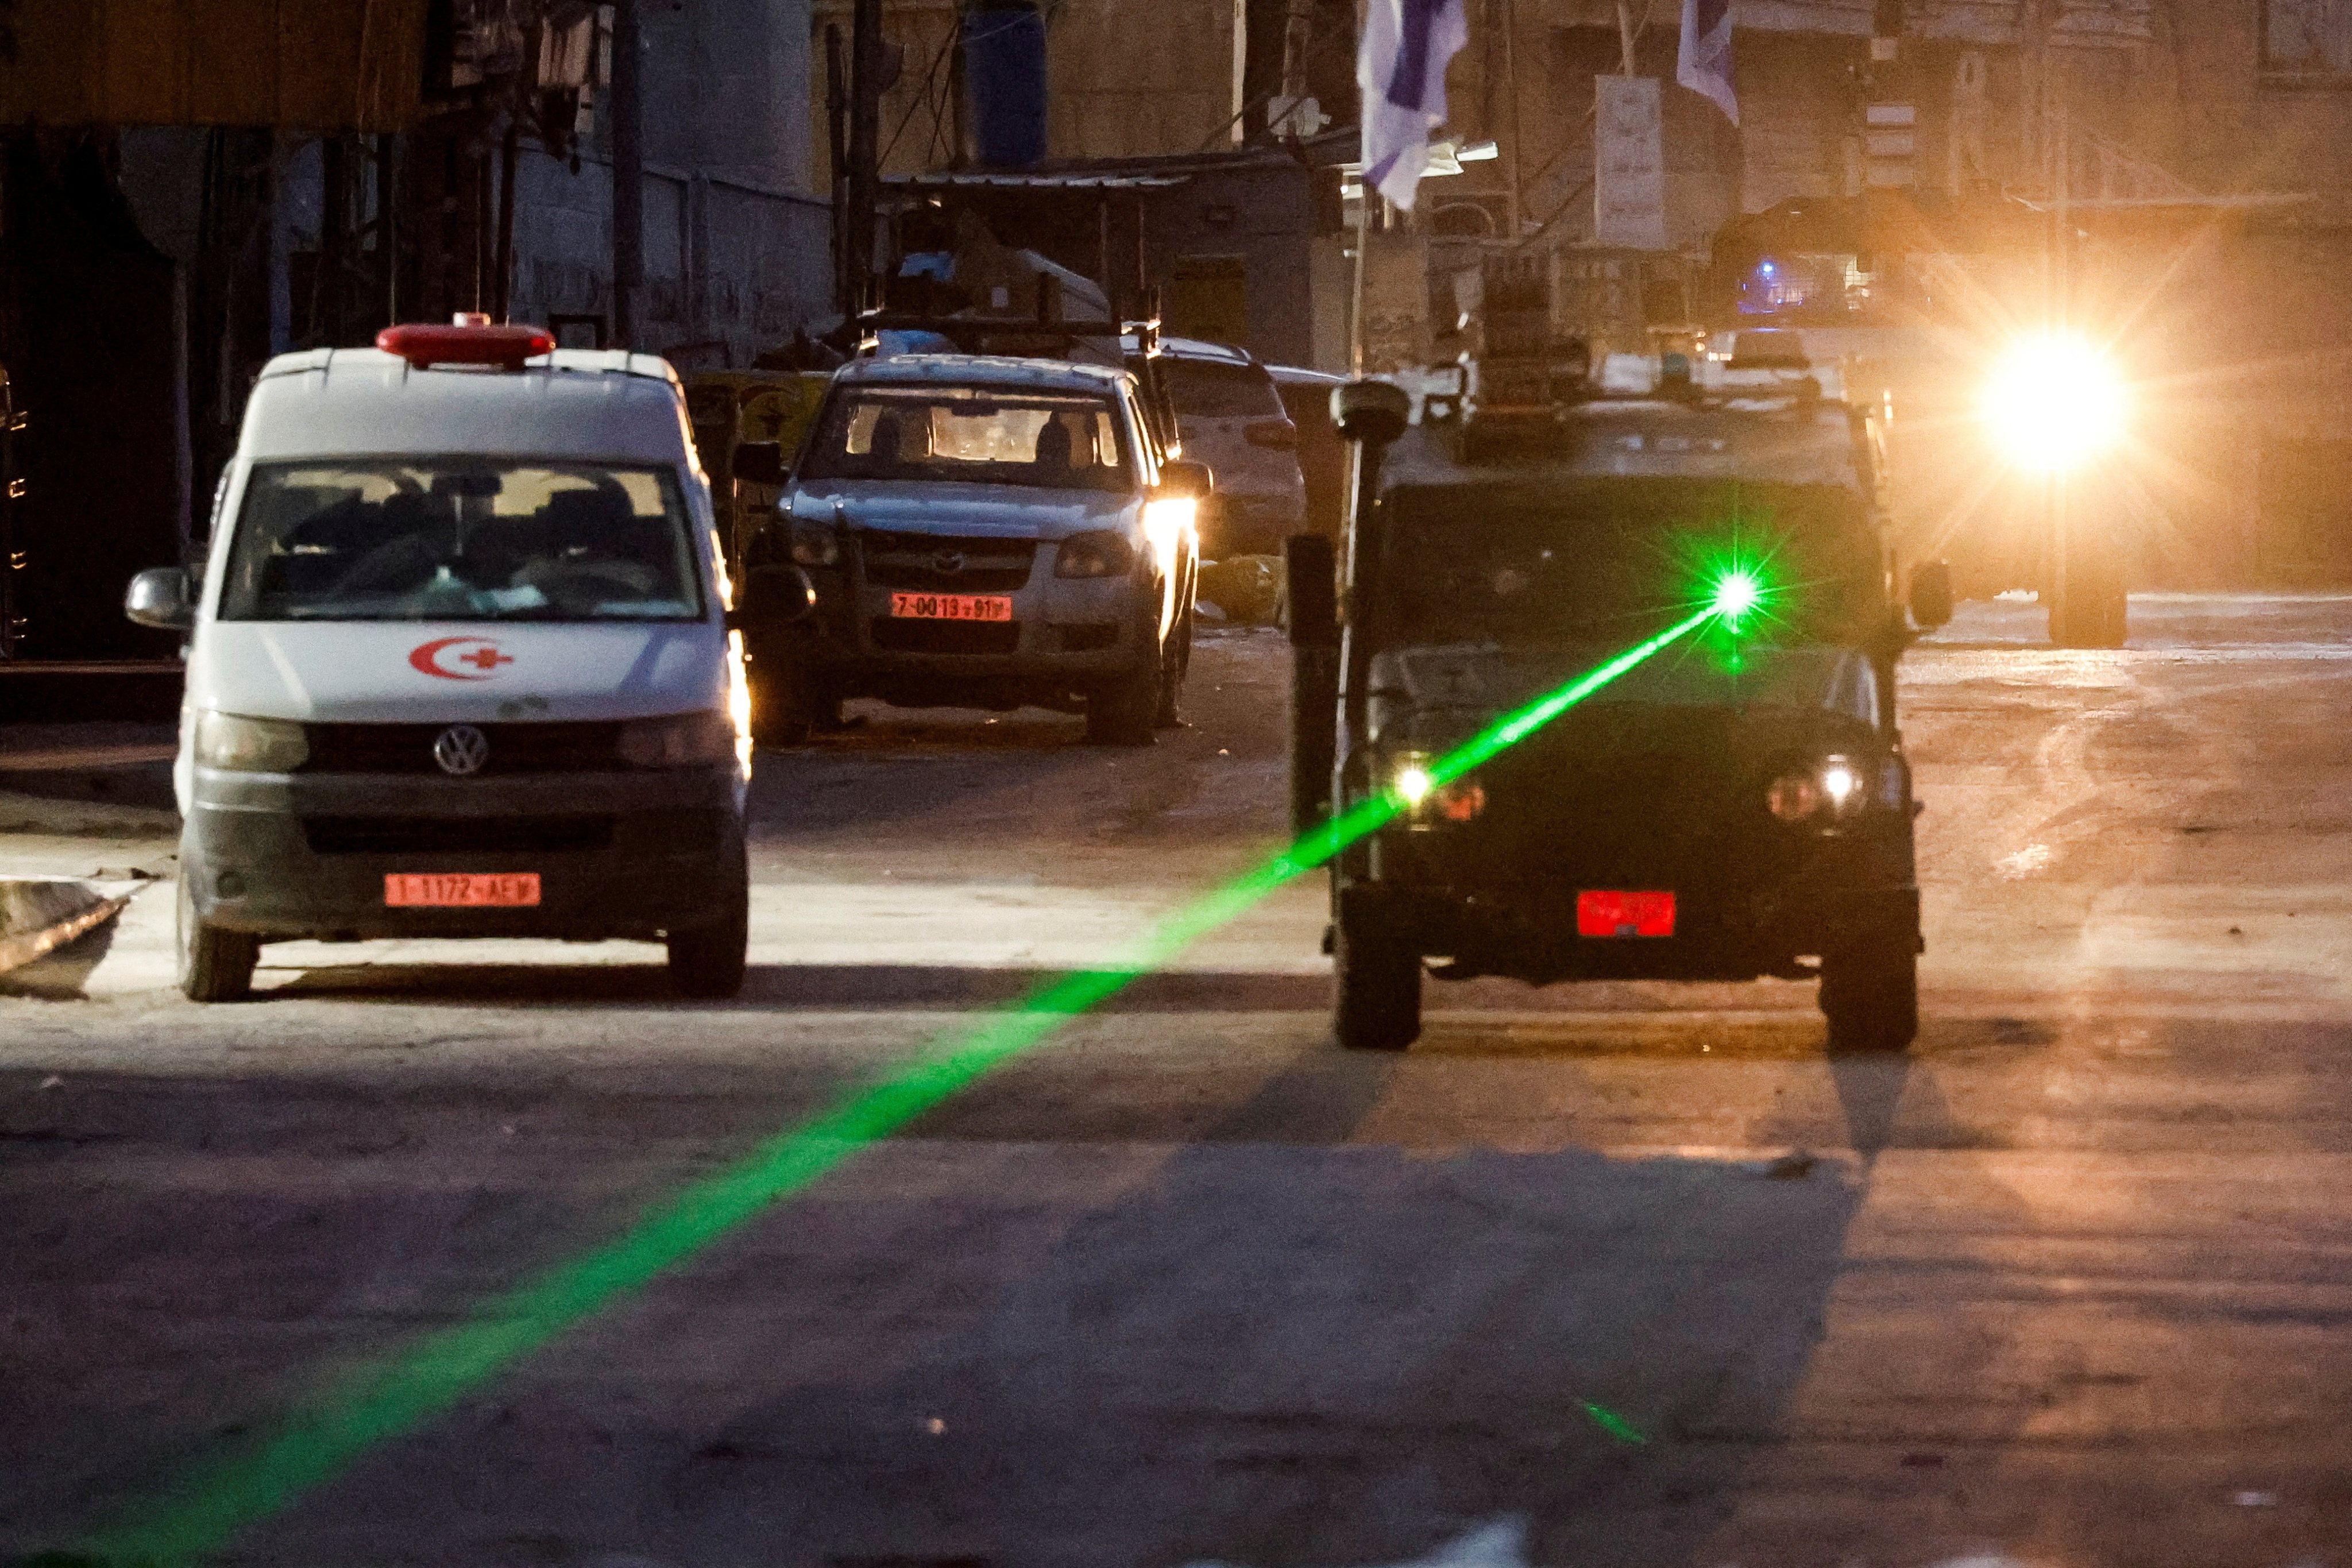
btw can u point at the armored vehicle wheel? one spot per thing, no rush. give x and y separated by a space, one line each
2092 610
1122 713
1377 1002
214 965
1870 994
708 961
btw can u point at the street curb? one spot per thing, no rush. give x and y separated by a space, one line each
38 915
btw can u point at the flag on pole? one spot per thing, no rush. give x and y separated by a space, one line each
1704 62
1401 70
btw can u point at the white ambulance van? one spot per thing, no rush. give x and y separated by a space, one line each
460 663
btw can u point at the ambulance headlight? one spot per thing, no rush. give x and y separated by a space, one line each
682 740
251 745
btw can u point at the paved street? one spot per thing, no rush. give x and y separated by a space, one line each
1620 1274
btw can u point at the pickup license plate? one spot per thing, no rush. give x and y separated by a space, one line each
1613 915
460 889
951 606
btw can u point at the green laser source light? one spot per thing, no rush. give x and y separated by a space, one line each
1736 593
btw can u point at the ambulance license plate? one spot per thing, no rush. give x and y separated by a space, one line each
951 606
460 889
1613 915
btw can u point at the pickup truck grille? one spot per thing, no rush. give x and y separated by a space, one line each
946 637
945 563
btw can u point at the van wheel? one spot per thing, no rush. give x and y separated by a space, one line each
1870 994
708 961
1121 714
1377 1001
214 965
1177 660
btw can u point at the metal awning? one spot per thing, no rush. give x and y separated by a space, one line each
1071 182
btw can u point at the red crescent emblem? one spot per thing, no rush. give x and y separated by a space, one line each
485 656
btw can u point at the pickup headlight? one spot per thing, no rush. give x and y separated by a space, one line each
1834 789
1098 553
251 745
682 740
814 544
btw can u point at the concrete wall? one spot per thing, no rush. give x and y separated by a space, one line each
1123 78
738 254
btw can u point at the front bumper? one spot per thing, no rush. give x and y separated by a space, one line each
618 855
1067 635
1736 917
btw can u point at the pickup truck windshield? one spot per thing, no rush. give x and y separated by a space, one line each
973 436
1610 561
461 539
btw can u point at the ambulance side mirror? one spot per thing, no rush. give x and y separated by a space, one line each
760 463
161 597
1931 594
772 596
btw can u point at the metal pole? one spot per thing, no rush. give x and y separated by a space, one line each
1363 239
510 154
628 175
837 128
864 146
1240 123
1511 94
387 234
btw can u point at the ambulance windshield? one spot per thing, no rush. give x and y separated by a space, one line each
461 539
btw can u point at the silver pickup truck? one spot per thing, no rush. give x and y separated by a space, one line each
985 532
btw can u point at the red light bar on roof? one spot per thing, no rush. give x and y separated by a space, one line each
470 339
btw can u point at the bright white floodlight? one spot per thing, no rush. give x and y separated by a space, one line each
2054 403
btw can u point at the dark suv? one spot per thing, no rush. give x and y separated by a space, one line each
1732 803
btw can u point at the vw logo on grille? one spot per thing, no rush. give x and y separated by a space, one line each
461 749
948 561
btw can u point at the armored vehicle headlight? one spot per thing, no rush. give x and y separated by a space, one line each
1425 799
1792 797
251 745
2056 401
1409 775
1098 553
1837 788
814 544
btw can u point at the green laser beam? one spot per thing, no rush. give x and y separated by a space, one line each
434 1373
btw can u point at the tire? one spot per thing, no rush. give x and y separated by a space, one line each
1376 1004
1123 713
706 963
790 703
1177 660
1314 740
214 965
1870 994
2095 608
